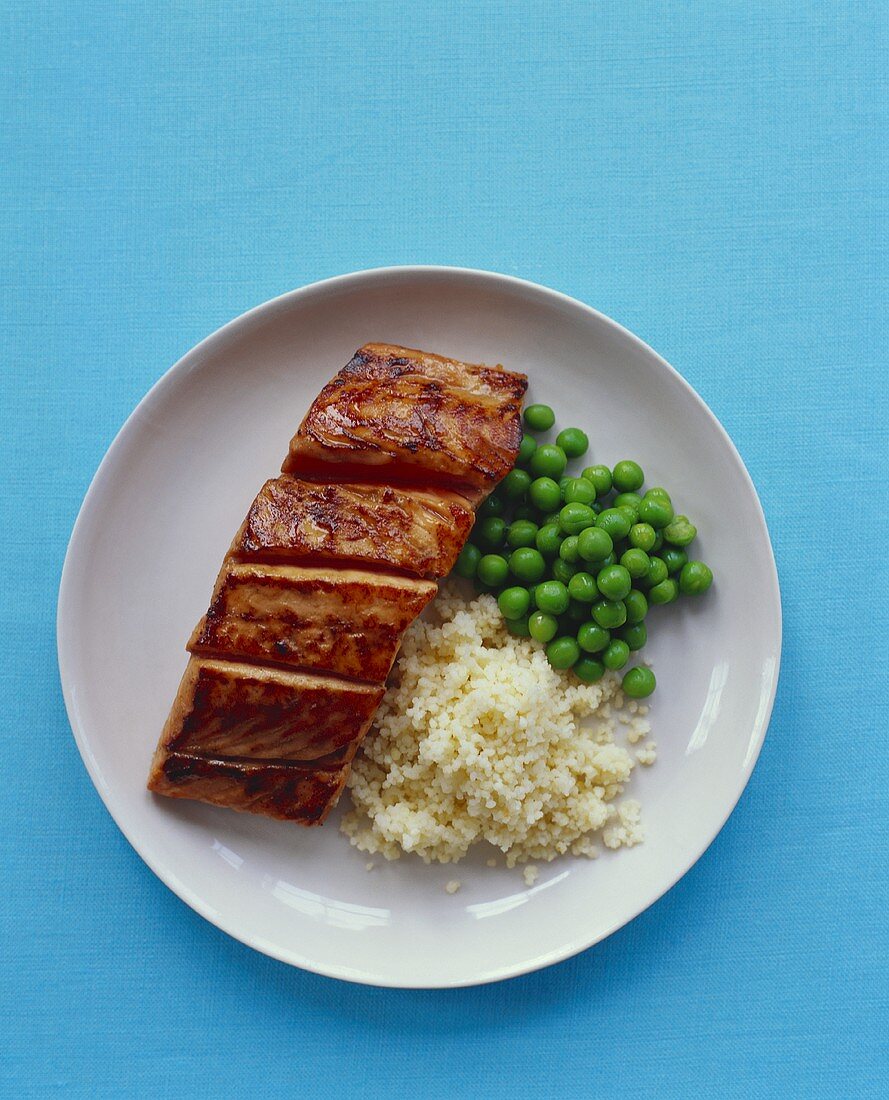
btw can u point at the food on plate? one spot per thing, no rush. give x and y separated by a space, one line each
224 708
576 562
409 417
479 738
303 793
334 560
345 621
406 529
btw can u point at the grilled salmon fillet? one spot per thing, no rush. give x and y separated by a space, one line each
345 621
304 793
224 708
412 530
413 418
334 560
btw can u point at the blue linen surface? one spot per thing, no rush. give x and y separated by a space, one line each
711 175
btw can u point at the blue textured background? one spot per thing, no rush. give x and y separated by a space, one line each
711 175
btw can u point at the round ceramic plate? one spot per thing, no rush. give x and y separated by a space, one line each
161 513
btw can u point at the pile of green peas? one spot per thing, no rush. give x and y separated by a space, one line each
577 562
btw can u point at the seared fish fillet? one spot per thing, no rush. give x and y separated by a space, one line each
327 571
413 418
304 793
404 529
345 621
229 709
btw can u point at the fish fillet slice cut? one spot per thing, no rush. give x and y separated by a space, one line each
292 792
345 621
408 417
396 528
224 708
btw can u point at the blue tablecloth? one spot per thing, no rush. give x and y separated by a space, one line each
713 175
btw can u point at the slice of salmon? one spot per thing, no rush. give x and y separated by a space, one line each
396 528
292 792
406 417
345 621
225 708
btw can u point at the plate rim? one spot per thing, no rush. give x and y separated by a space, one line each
65 597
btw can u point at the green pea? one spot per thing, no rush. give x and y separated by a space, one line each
616 654
594 544
631 513
592 638
564 570
657 491
638 683
521 532
548 540
642 536
636 605
515 484
551 597
609 559
493 569
665 592
563 652
527 448
492 506
635 561
635 635
514 602
614 522
578 490
658 541
582 586
628 502
573 518
609 614
548 461
525 511
568 549
578 612
673 558
481 587
695 578
551 519
518 627
657 572
600 476
490 533
627 476
573 442
680 532
542 626
539 418
614 582
655 511
596 506
467 560
544 494
564 481
588 671
527 564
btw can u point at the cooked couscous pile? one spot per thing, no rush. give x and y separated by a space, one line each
479 738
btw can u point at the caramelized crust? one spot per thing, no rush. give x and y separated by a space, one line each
405 529
407 417
344 621
229 709
292 792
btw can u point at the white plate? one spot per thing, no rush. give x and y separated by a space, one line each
162 510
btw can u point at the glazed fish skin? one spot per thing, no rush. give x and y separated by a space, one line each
303 793
348 621
224 708
396 528
414 418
